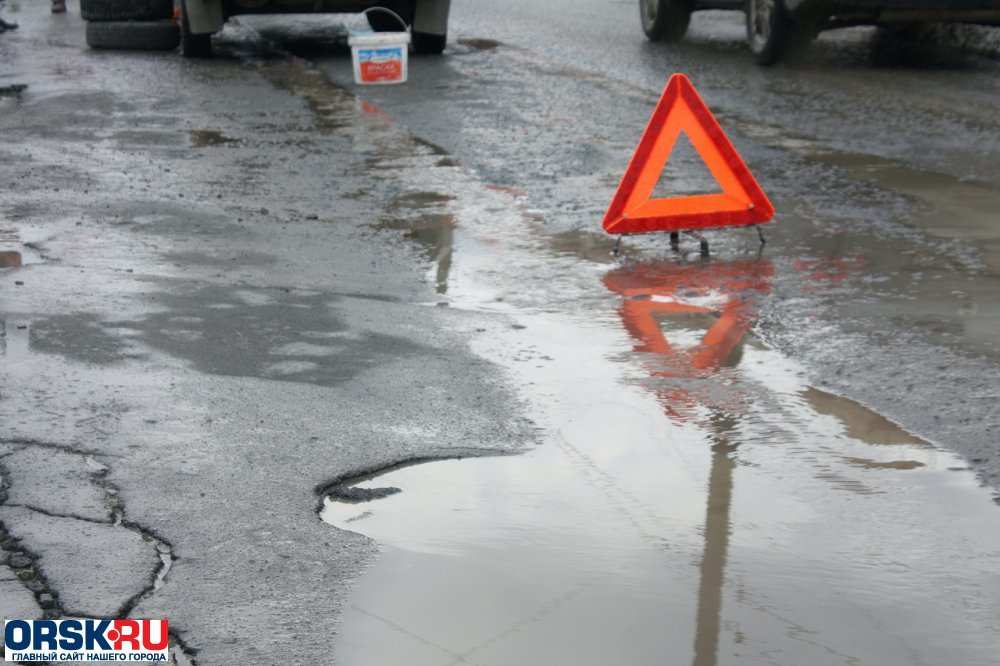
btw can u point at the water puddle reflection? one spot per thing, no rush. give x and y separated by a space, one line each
694 502
15 253
11 259
205 138
423 217
951 207
14 341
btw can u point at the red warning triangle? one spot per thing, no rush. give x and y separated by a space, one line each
741 202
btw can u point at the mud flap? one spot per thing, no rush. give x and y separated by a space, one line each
431 16
205 16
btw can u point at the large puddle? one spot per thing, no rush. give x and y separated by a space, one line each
693 502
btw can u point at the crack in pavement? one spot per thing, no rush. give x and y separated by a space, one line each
23 562
66 448
54 514
26 563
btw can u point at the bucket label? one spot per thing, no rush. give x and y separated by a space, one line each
381 64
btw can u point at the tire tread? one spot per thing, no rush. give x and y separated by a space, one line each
671 23
133 35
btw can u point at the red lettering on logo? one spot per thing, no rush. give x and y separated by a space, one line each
147 634
128 632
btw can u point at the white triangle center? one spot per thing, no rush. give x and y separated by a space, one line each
685 173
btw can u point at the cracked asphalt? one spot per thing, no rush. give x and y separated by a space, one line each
210 325
242 285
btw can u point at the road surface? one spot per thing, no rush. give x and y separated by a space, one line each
247 286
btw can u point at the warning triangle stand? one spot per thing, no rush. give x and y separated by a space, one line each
741 201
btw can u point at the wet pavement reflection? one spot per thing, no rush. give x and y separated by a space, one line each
659 293
709 309
10 259
14 336
424 219
693 502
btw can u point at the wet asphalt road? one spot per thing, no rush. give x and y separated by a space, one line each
245 280
880 158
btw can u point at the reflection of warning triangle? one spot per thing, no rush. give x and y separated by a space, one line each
707 354
684 332
652 291
741 201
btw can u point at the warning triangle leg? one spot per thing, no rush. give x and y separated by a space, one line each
701 240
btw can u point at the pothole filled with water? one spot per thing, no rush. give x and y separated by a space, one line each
692 501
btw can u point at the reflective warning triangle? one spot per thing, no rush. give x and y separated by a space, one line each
741 202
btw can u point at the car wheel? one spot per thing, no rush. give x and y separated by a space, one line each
193 46
427 44
126 10
906 33
769 29
133 35
664 20
895 45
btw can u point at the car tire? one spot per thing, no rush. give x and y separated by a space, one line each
772 32
133 35
425 43
906 33
193 46
895 45
664 20
126 10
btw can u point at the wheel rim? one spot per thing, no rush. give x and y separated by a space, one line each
761 15
649 9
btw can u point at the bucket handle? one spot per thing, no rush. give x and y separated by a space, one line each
399 18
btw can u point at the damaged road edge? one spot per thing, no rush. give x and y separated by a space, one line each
341 487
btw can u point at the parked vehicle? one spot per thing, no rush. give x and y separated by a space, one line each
150 24
775 26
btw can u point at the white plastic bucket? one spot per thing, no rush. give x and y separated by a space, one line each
381 58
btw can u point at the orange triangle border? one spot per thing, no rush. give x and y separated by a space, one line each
618 221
